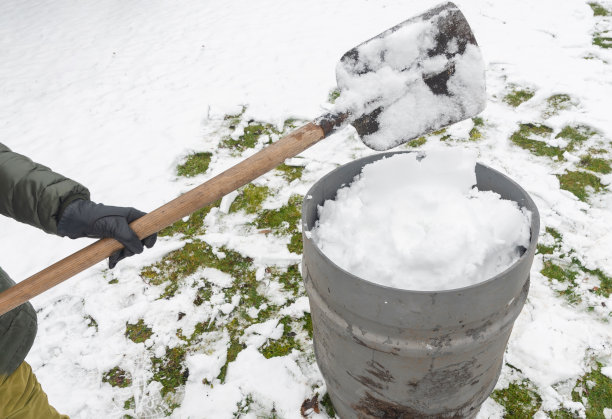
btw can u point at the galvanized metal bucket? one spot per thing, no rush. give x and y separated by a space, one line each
392 353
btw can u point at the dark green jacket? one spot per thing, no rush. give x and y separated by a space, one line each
35 195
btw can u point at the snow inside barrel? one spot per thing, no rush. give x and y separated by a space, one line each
422 337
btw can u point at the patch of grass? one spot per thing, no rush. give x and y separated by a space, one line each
602 41
204 293
169 370
557 103
599 10
580 183
193 225
195 164
129 403
307 319
524 139
562 414
596 388
290 173
284 221
185 261
475 133
545 250
250 136
234 348
564 275
417 142
328 406
575 135
605 282
282 346
519 400
518 96
117 377
250 199
138 332
595 164
91 322
291 279
333 95
295 245
243 406
556 235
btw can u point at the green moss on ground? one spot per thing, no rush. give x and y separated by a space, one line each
290 279
307 326
185 261
595 389
243 406
580 183
328 406
417 142
518 96
595 164
333 95
250 199
599 10
169 370
194 224
290 173
556 235
602 40
284 221
557 103
546 249
605 282
562 414
284 345
91 322
129 403
195 164
249 137
138 332
524 138
117 377
564 275
519 400
475 133
576 135
295 244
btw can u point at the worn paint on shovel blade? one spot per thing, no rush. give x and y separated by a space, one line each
417 77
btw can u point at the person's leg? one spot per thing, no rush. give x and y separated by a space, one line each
22 397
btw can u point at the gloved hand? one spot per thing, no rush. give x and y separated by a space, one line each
82 218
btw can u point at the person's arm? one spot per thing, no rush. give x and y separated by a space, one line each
33 193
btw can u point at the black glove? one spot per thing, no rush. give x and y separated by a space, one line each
83 218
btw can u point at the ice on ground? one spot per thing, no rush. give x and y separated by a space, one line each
417 223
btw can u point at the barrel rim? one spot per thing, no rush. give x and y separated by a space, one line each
534 230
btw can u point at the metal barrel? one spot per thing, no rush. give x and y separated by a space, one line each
393 353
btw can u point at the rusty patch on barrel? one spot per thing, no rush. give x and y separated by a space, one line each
371 407
378 377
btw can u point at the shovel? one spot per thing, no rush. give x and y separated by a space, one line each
414 78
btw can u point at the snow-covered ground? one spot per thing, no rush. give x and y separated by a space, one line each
116 94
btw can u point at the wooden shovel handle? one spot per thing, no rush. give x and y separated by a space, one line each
200 196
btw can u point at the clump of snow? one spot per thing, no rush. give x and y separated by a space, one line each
388 74
417 222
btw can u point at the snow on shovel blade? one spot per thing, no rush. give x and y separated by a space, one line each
417 77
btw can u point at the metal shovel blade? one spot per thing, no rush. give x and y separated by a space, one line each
417 77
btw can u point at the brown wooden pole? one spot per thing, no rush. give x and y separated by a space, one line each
200 196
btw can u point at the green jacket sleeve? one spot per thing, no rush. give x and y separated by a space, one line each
32 193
